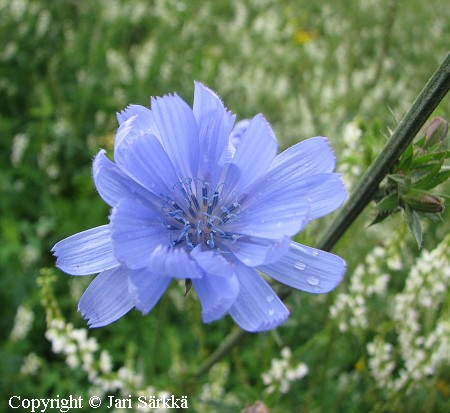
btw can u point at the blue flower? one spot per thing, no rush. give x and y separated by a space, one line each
194 199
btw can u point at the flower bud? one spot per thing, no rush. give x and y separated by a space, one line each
422 201
435 131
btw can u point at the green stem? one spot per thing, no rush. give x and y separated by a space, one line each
232 340
433 92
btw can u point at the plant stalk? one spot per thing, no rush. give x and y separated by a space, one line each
424 105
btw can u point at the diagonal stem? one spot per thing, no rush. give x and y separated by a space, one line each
424 105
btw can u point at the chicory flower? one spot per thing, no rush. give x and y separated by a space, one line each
194 198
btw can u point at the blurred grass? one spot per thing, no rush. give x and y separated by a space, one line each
311 67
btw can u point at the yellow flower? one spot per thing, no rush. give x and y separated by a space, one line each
360 365
303 36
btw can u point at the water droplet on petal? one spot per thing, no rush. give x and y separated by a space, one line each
312 280
271 312
300 265
315 253
270 298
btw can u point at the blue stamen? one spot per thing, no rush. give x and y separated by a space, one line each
202 216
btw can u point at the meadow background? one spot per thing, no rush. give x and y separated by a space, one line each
347 70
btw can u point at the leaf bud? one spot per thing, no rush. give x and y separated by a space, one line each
422 201
435 132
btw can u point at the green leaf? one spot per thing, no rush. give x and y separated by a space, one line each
406 159
403 182
427 180
388 203
412 218
435 156
381 216
434 180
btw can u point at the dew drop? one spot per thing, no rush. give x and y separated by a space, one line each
270 298
315 253
300 265
312 281
271 312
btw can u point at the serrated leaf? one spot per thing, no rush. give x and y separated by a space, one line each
412 218
435 156
406 159
388 203
427 180
400 179
381 216
434 180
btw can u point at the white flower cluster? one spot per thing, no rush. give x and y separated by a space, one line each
214 389
83 352
381 361
421 316
22 323
31 364
418 344
367 282
282 373
350 158
19 146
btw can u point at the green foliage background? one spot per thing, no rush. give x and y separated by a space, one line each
312 68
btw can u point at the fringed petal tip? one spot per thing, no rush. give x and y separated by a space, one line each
270 323
217 311
216 294
307 269
85 253
106 299
257 307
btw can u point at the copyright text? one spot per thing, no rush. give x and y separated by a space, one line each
64 404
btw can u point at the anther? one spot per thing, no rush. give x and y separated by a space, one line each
210 242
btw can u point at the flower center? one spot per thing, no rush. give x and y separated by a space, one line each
197 213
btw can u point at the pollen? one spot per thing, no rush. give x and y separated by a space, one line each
195 213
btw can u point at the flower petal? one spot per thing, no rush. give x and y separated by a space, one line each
214 125
179 133
136 231
146 161
307 269
87 252
173 262
106 299
216 294
309 157
212 262
238 132
253 251
113 185
146 288
253 156
134 122
270 212
257 307
326 196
